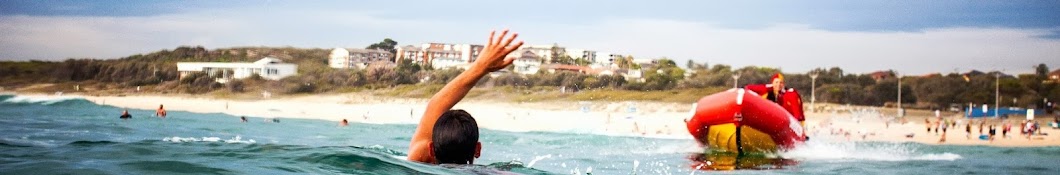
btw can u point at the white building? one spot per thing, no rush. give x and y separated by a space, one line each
268 68
449 63
546 52
588 55
342 58
526 62
449 54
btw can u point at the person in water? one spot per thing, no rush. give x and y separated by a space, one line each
446 136
161 112
344 123
125 114
244 118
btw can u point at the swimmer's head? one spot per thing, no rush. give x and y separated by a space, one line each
455 138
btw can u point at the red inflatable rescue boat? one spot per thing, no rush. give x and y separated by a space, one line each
741 121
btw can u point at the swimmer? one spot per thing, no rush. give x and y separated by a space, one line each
244 118
161 112
125 114
447 136
344 123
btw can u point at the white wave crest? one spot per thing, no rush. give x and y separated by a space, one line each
236 139
42 99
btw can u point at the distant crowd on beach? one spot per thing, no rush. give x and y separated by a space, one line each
983 131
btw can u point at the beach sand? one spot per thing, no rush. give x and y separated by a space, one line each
647 119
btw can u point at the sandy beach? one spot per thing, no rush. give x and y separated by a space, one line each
647 119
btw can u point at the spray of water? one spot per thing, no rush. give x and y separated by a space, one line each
822 148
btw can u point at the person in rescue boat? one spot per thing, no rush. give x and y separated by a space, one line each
774 91
777 93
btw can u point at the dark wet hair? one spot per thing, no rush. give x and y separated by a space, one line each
454 138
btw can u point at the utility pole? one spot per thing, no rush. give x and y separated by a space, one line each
813 90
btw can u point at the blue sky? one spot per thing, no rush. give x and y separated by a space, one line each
913 37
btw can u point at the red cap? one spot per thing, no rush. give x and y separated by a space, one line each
777 76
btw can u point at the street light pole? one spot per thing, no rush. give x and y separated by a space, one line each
735 80
997 93
813 90
899 94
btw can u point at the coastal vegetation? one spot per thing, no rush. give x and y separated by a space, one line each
664 81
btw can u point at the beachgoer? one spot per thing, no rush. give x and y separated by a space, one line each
125 114
927 123
992 132
981 124
944 126
344 123
1005 129
244 118
1023 127
446 136
968 129
161 112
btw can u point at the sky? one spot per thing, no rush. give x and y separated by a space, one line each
910 37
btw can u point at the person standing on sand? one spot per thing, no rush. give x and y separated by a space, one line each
1005 129
968 129
981 124
447 136
927 123
992 132
1023 127
161 112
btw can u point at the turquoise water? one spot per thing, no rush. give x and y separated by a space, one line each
74 136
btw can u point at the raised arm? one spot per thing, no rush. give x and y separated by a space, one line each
491 58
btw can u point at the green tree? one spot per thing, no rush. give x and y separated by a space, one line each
387 45
1042 71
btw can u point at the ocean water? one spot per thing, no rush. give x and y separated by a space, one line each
75 136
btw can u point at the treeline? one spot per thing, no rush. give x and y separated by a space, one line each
158 70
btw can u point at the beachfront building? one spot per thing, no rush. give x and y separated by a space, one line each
526 62
268 68
547 52
450 55
342 58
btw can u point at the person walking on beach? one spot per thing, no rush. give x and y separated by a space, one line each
161 112
968 129
447 136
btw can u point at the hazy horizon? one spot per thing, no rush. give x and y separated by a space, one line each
911 37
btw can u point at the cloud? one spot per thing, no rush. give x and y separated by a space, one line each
799 48
793 47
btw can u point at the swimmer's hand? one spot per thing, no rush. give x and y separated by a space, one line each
492 57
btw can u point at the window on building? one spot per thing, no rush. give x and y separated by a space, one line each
272 71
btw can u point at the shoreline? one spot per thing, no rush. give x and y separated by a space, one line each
651 119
